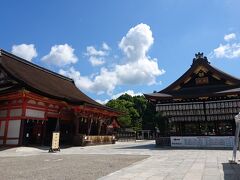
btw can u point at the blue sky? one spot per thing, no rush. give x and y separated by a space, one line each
110 47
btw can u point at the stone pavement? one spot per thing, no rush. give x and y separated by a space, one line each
181 164
163 163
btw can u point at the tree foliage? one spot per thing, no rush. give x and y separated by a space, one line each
138 113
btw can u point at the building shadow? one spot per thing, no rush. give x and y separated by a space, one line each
153 146
44 148
231 171
3 148
143 146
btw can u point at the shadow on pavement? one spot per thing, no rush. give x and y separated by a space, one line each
155 147
231 171
143 146
45 148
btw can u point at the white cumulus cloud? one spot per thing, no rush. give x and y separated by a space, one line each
61 55
102 101
129 92
105 47
92 51
228 50
25 51
97 57
115 96
138 67
82 82
229 37
137 42
96 61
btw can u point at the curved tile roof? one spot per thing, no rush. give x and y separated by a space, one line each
44 81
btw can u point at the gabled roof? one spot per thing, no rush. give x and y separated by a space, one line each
43 81
185 86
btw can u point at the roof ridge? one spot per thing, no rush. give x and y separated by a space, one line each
197 61
33 65
227 74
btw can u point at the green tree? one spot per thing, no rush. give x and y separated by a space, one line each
149 119
124 119
130 115
138 113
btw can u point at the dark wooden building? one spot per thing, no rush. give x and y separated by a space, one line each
33 99
202 102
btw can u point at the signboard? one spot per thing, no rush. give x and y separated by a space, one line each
202 141
55 140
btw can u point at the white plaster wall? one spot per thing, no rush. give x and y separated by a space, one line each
2 128
12 142
13 128
16 112
3 113
35 113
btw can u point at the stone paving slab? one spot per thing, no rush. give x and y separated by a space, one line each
163 163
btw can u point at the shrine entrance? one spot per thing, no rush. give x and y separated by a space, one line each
33 132
50 127
66 132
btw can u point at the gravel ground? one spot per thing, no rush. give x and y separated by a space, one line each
55 166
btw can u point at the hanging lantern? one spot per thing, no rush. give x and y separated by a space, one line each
161 107
226 104
234 104
236 111
207 106
222 105
210 105
238 104
224 117
180 107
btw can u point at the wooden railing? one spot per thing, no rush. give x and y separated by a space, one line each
83 140
126 136
100 139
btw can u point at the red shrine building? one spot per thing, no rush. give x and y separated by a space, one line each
198 109
35 101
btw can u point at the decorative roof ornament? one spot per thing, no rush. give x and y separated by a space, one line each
199 56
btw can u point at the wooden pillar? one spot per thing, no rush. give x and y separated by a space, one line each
21 134
22 126
99 126
44 129
90 126
24 104
76 125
